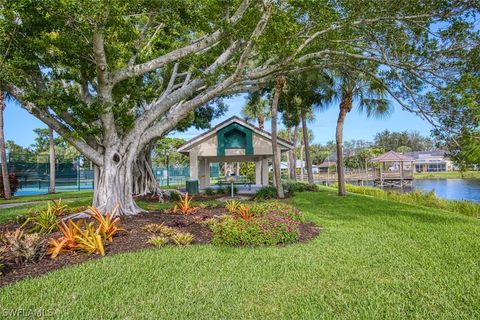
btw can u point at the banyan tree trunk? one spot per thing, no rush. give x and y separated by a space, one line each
144 182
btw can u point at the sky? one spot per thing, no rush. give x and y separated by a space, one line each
19 124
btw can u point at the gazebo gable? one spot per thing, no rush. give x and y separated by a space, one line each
234 136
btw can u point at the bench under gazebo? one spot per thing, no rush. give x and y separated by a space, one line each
233 140
394 170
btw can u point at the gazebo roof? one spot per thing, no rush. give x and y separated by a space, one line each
392 156
287 145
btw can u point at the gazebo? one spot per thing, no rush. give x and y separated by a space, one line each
395 170
233 140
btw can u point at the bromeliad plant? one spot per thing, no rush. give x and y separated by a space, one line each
45 221
157 241
89 240
244 213
185 205
182 239
107 225
232 205
86 237
68 241
23 247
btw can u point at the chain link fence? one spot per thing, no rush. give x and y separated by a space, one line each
76 174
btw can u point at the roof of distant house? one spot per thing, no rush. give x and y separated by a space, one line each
392 156
423 154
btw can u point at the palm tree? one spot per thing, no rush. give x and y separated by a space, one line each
277 178
370 94
3 154
305 93
257 108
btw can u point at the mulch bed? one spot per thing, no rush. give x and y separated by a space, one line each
133 240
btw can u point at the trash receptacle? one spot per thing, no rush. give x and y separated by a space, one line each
192 186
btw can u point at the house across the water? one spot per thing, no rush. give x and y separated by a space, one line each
431 161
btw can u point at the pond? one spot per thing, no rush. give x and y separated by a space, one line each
454 189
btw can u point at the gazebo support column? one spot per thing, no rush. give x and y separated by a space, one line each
265 172
258 173
193 165
204 173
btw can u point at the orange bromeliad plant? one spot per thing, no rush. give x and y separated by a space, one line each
184 205
68 241
244 213
107 225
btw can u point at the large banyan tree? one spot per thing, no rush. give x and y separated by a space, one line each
113 76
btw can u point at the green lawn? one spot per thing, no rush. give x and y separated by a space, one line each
373 259
8 214
53 196
448 175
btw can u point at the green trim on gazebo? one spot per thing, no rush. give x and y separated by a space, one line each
235 136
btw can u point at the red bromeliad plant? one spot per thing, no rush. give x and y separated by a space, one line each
184 205
107 225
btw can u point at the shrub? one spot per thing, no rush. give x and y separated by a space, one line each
275 208
14 183
244 213
184 205
153 227
297 186
23 247
157 241
43 221
167 231
267 192
89 240
57 207
182 239
258 232
232 205
220 190
174 196
68 241
209 191
107 225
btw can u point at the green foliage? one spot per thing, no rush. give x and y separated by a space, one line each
298 186
258 232
182 239
267 192
256 224
14 183
420 198
248 169
209 191
43 221
232 205
174 196
402 141
220 190
23 247
157 241
153 227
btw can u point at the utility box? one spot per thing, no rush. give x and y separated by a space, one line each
192 187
